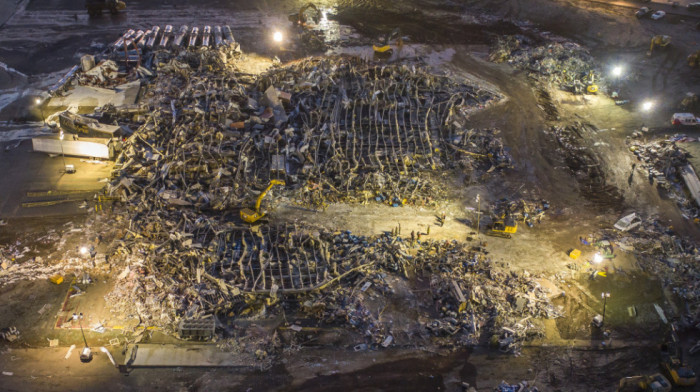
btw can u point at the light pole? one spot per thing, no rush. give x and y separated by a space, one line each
478 214
63 157
86 353
37 101
617 72
605 297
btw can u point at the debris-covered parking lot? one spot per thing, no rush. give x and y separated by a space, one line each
297 210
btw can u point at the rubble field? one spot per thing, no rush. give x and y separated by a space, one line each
201 131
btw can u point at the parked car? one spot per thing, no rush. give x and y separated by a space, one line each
658 15
642 12
694 6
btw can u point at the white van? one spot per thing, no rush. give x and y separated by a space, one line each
684 119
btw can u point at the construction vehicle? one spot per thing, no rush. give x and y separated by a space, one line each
591 87
694 59
658 40
581 83
383 47
251 216
308 12
503 227
672 363
95 7
654 383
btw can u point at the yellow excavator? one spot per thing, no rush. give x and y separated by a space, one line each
95 7
658 40
251 216
591 87
384 48
303 17
694 59
503 227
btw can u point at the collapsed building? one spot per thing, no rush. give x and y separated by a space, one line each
205 138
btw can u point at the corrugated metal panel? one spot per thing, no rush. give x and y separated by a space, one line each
71 148
692 182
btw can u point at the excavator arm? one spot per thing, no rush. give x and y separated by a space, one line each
263 193
251 216
658 40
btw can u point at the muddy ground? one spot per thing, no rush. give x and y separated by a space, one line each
44 38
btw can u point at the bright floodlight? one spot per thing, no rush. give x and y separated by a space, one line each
277 36
646 106
37 100
597 258
617 71
84 250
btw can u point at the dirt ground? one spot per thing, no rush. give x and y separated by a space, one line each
45 38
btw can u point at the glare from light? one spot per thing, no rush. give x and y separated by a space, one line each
37 100
277 36
647 105
84 250
597 258
60 135
617 71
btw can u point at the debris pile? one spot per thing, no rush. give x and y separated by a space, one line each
566 64
673 259
335 129
664 161
207 138
9 334
521 210
251 273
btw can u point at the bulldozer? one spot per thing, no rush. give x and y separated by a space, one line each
658 40
694 59
383 47
95 7
253 215
503 227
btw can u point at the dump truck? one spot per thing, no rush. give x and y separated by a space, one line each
95 7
